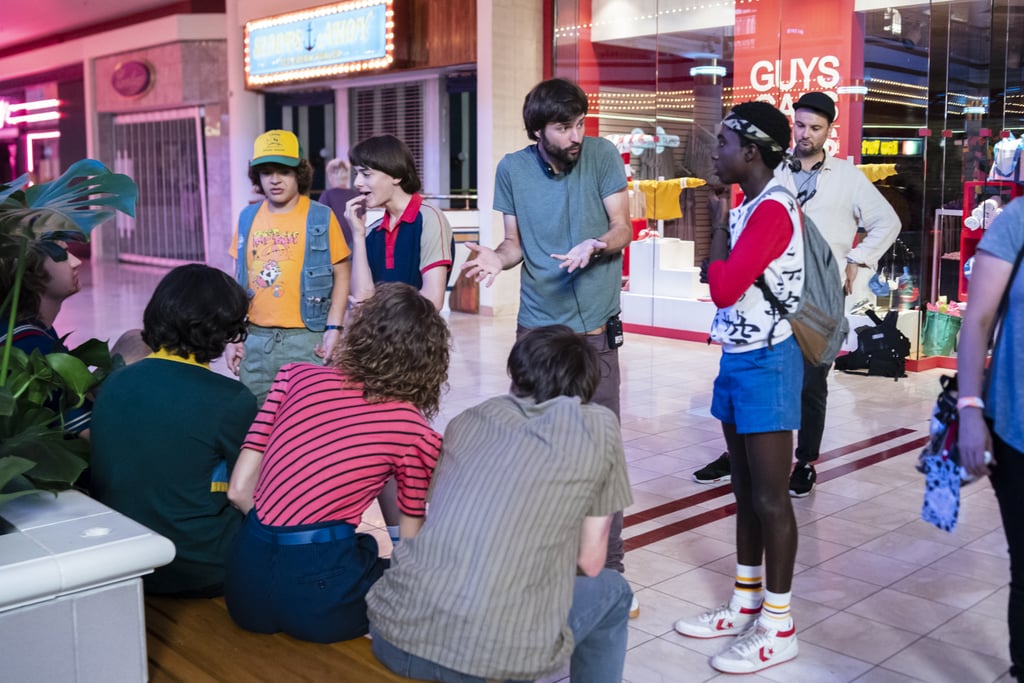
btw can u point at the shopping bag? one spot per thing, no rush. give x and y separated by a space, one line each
939 334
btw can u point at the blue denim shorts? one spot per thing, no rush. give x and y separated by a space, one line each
759 390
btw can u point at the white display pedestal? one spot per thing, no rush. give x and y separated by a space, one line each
71 606
664 287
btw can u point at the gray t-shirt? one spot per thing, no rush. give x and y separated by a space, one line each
1004 403
485 587
554 214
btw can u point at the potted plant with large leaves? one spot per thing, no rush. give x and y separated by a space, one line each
34 451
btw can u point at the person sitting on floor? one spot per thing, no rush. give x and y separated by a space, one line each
51 276
320 451
167 430
507 578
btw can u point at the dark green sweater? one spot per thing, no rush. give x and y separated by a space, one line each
160 431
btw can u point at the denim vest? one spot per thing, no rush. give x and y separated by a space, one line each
317 270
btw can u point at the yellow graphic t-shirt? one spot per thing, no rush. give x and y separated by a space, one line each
274 254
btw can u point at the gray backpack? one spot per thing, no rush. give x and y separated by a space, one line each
819 319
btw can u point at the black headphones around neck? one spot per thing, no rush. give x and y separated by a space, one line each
795 166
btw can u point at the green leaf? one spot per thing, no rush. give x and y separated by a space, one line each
6 402
94 353
54 458
12 466
86 195
16 185
75 373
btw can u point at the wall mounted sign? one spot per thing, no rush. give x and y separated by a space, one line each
133 78
321 42
890 147
812 46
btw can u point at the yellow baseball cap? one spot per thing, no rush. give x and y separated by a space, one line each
277 147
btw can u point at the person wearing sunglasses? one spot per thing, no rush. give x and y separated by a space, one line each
51 276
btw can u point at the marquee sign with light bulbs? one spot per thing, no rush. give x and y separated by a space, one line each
321 42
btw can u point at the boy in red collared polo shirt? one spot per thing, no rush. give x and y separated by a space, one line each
412 243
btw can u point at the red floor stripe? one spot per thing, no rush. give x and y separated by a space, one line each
713 492
655 535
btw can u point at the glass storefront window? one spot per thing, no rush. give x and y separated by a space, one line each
923 91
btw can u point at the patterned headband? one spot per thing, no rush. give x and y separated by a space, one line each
751 132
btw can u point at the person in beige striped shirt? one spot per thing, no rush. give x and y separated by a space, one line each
506 579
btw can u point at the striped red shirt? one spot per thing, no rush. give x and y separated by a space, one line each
327 453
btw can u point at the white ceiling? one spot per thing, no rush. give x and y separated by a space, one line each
25 20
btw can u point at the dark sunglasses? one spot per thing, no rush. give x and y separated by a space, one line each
55 251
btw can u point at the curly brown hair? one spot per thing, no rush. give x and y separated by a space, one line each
303 175
33 283
397 346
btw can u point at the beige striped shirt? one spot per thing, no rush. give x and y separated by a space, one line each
486 586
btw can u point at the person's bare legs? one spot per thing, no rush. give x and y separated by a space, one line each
765 524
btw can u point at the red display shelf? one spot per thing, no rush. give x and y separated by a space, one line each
975 192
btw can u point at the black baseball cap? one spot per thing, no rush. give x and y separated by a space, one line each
819 102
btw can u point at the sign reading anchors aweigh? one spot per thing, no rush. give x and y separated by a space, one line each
321 42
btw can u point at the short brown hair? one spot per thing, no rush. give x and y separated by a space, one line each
388 154
553 361
397 346
303 175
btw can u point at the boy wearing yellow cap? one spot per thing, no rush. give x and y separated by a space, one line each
293 261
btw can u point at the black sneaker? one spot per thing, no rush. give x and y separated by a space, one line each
801 482
714 472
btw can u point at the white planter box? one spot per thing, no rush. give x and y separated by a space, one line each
71 604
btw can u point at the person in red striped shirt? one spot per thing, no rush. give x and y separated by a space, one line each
318 454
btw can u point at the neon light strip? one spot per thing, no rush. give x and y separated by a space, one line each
34 118
32 137
32 106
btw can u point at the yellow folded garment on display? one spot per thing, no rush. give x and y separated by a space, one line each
876 172
662 196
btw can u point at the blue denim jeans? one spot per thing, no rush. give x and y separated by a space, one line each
598 618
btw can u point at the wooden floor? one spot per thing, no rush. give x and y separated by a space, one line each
195 641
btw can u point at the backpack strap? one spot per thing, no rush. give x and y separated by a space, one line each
773 300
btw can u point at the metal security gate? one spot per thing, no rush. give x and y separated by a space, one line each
163 152
395 109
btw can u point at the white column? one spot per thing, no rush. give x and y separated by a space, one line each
509 54
245 115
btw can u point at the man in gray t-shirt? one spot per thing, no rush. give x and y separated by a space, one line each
505 580
566 216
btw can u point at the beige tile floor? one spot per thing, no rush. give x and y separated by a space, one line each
879 596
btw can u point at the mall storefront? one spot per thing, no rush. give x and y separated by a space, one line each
924 90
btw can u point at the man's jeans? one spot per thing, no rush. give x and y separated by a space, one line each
598 618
